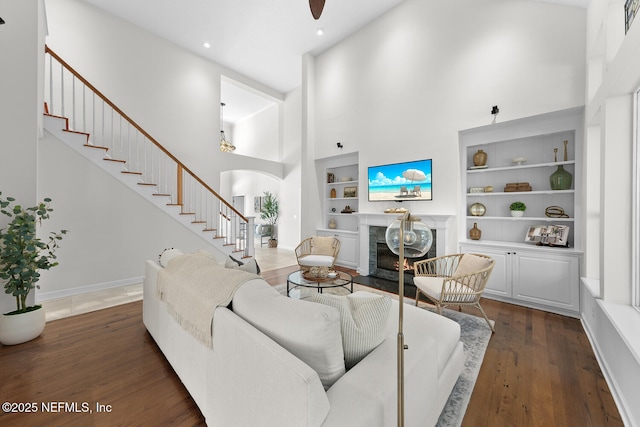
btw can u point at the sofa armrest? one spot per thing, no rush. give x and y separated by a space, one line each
251 375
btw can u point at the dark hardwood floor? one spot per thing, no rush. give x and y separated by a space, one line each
539 370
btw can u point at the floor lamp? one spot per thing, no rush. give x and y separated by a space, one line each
407 237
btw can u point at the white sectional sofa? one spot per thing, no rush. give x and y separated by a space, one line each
248 379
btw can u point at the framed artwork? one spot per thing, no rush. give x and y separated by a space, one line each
350 192
330 177
552 235
257 204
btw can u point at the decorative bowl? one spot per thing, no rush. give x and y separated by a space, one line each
519 160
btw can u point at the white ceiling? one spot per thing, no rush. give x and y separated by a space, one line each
261 39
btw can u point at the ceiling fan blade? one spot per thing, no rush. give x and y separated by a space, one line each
316 8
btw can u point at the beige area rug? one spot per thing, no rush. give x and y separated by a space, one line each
474 333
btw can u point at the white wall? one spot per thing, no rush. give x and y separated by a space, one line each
112 229
259 135
173 94
21 40
402 87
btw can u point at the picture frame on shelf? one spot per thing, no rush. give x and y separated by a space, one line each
349 192
552 235
331 178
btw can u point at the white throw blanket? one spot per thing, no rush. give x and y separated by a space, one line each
192 286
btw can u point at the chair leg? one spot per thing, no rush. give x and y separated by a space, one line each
417 296
485 317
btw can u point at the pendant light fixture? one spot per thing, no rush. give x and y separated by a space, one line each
225 146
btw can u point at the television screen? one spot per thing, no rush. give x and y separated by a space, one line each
400 181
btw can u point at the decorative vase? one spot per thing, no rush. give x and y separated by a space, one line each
560 179
333 193
332 223
23 327
475 232
517 213
480 158
477 209
273 243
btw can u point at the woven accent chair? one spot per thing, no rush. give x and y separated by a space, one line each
317 251
456 279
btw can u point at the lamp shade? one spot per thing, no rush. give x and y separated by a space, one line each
417 237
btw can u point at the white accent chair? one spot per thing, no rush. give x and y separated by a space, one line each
318 251
456 279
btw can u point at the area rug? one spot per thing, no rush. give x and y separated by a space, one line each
474 334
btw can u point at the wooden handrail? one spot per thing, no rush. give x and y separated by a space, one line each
141 130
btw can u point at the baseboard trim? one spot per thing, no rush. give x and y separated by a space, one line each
45 296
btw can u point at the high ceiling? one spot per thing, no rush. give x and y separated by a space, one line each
261 39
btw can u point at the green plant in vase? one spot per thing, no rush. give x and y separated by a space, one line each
22 256
517 208
269 213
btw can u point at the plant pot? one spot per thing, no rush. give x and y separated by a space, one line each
517 213
273 243
23 327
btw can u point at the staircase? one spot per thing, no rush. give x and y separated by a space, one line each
84 119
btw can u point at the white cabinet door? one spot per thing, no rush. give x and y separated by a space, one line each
500 279
547 280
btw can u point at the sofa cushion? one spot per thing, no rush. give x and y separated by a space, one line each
309 331
363 323
316 261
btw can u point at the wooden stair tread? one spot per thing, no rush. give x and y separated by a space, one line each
114 160
147 183
97 146
161 194
131 173
187 213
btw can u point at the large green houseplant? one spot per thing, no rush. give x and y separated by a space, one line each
269 213
22 256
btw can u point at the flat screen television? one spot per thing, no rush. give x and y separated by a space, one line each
400 181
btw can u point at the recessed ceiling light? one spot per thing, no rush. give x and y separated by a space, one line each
320 31
206 45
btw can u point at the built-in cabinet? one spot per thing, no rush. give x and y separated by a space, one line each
520 161
340 190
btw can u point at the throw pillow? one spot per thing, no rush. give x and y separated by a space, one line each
167 255
322 245
363 322
250 266
468 264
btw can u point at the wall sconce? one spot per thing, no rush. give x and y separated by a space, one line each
339 145
1 21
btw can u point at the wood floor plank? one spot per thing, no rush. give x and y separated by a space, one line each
539 370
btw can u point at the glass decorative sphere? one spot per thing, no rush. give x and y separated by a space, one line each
417 237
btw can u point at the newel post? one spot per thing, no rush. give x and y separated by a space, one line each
179 185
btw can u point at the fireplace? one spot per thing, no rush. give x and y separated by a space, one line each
384 264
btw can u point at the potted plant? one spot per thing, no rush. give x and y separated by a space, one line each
517 208
22 256
269 213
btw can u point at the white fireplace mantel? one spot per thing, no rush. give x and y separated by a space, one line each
441 223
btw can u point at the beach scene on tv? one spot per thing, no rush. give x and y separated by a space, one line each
400 181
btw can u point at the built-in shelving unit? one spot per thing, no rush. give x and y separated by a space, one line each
522 151
340 190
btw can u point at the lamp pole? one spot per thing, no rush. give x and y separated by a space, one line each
401 345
